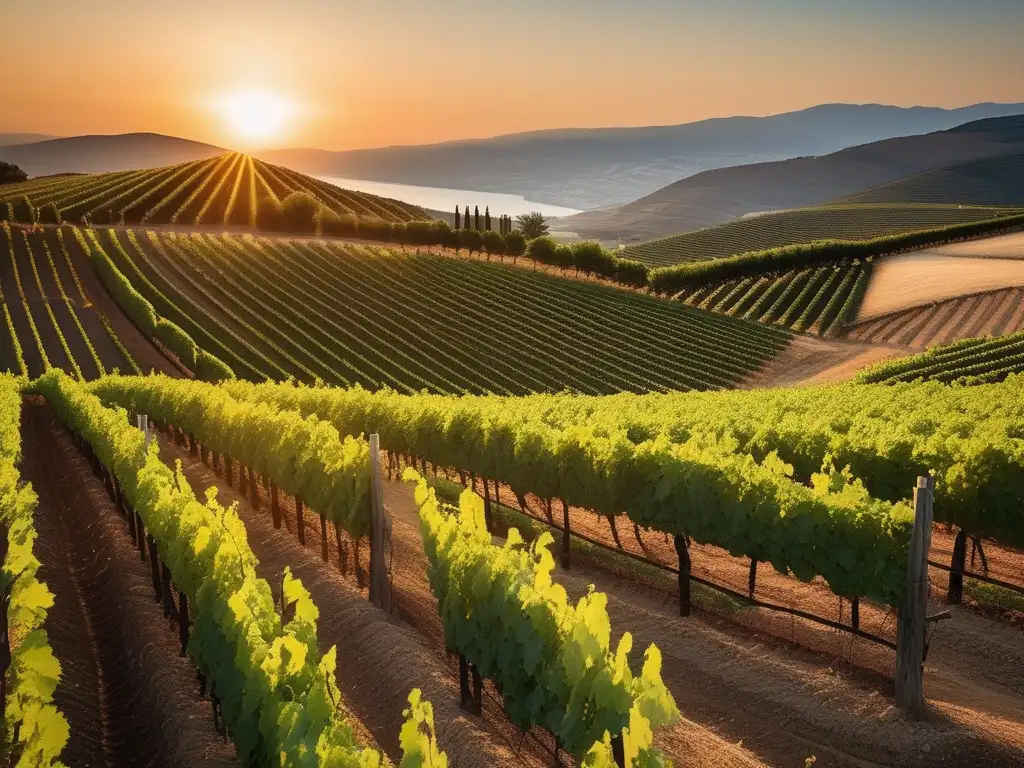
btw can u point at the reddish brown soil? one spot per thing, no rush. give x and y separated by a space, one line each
843 689
812 360
914 279
130 698
786 688
380 658
990 314
139 347
37 307
18 310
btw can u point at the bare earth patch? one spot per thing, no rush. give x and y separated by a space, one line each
1003 247
914 279
811 360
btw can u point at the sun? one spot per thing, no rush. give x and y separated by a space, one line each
256 115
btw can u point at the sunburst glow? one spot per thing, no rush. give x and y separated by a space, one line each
256 115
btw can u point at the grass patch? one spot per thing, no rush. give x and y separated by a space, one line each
990 594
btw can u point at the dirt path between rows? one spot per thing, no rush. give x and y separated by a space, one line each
142 350
727 672
380 658
748 698
130 698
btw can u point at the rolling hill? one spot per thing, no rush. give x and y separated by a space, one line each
602 167
991 180
804 225
347 314
221 190
8 139
98 154
714 197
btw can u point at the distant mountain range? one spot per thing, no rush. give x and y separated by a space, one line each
715 170
6 139
713 197
94 154
599 168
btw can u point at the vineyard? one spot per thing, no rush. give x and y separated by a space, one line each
985 181
221 191
376 317
773 230
979 315
273 685
377 505
50 318
822 300
764 465
968 361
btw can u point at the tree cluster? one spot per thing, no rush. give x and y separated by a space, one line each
11 174
301 213
587 257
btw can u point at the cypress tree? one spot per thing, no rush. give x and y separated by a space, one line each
476 217
487 218
457 217
465 221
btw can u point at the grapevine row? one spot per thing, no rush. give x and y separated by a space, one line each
145 317
969 361
701 488
502 613
307 459
817 300
357 315
224 189
277 694
847 222
35 731
887 436
45 362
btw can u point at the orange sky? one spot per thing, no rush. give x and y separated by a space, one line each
376 72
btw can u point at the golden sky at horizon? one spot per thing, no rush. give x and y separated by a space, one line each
362 74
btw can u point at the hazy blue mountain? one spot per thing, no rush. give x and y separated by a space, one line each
603 167
713 197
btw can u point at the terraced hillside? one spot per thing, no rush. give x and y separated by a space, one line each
843 222
350 314
50 318
986 181
221 191
820 300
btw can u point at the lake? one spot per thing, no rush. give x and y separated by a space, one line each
440 199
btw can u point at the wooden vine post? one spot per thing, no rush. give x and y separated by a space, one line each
683 553
910 643
380 532
955 594
275 506
566 537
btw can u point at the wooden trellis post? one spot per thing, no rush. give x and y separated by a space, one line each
912 614
958 565
380 532
683 553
